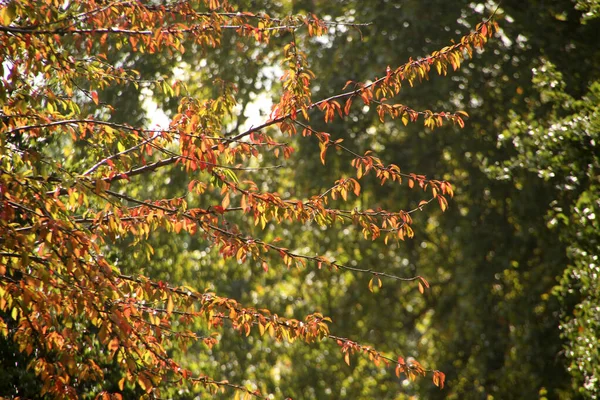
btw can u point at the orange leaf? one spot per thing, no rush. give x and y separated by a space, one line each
347 106
484 30
356 188
113 345
439 378
323 151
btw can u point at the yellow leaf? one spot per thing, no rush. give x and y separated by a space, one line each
8 13
263 221
405 119
170 305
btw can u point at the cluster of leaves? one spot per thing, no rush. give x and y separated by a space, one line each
490 319
63 302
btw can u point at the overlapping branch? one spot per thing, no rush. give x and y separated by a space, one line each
53 273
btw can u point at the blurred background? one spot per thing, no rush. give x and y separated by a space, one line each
514 306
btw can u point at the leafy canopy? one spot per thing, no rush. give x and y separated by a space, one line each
71 177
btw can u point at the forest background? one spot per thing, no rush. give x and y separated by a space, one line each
512 308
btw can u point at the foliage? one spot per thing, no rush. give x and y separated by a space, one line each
556 138
77 184
562 149
491 320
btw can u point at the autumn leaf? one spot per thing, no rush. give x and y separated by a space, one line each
105 215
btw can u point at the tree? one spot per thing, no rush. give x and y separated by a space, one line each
563 144
493 321
74 189
556 138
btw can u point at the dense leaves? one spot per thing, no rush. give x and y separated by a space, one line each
79 191
493 314
140 259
